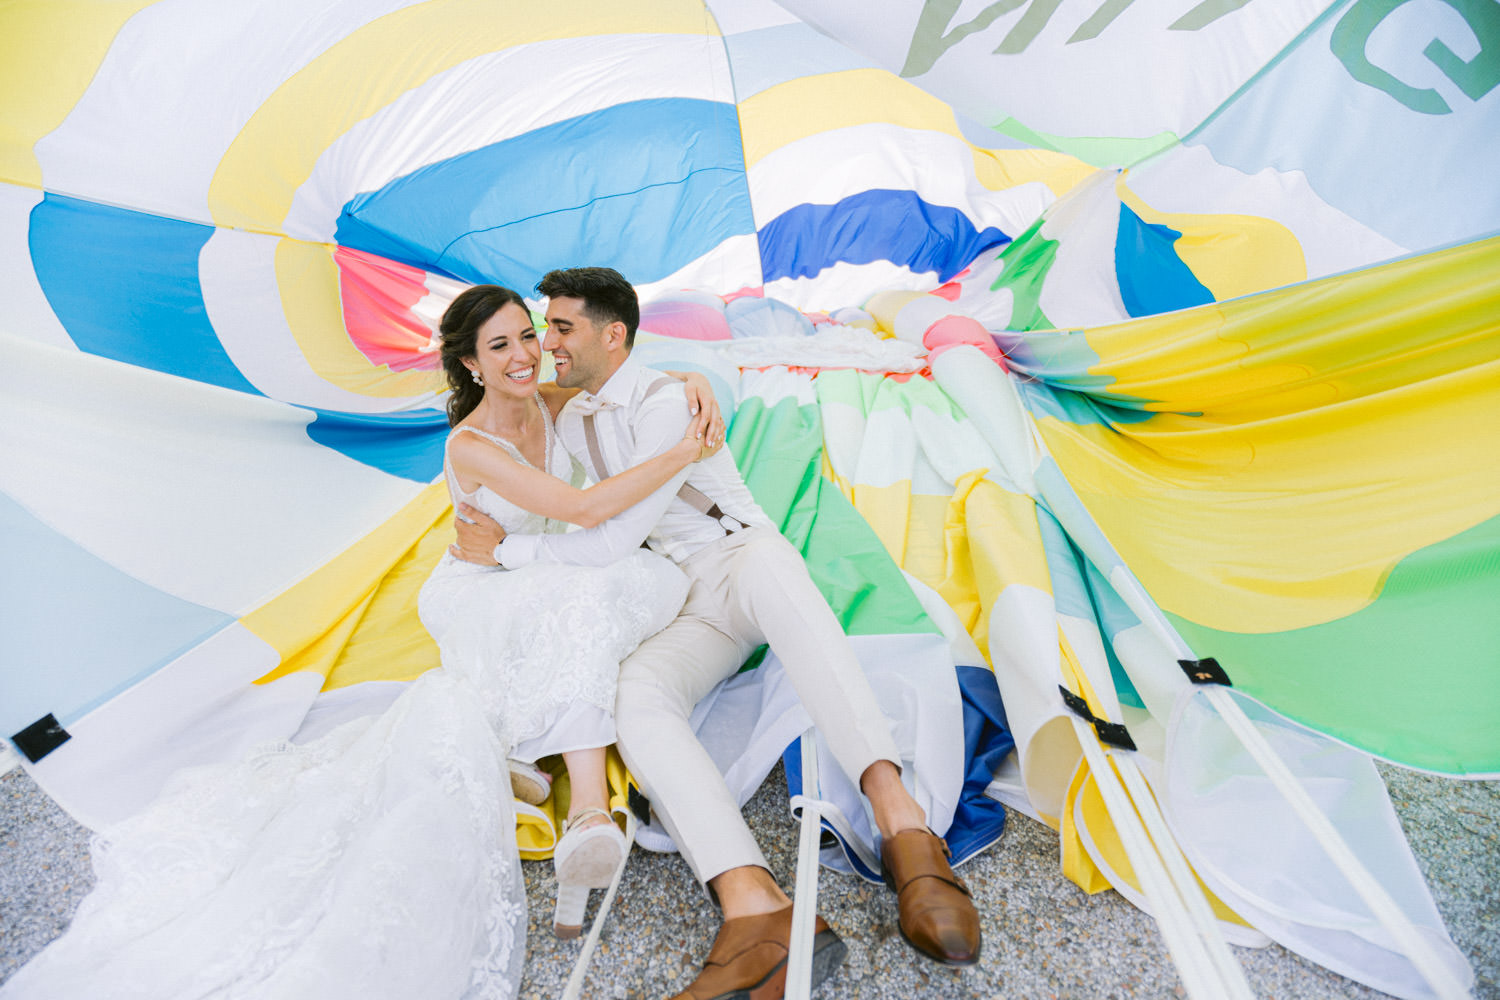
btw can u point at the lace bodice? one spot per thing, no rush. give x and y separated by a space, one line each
516 520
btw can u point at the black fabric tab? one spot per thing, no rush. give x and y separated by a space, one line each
1113 734
41 738
1076 705
639 804
1205 671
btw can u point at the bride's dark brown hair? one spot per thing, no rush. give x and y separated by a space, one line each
459 335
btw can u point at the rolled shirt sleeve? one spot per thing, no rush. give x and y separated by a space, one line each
658 425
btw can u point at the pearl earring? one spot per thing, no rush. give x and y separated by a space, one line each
475 376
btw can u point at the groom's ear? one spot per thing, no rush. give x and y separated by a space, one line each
614 336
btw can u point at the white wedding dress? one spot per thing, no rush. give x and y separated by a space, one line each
378 860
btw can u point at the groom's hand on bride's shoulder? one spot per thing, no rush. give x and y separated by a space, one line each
478 534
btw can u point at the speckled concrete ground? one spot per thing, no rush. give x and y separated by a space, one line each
1043 937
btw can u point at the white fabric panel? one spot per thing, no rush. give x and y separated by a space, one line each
237 271
1083 637
829 346
456 111
1081 288
213 496
1189 179
1023 650
133 140
775 384
1135 78
202 707
1234 933
27 313
987 395
880 156
844 283
730 266
1218 801
736 16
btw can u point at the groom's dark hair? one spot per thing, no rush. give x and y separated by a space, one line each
607 296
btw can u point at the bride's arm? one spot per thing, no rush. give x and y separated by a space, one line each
702 404
477 460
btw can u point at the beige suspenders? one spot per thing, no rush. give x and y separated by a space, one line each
691 495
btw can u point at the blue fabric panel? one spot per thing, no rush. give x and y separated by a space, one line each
125 286
897 226
76 630
1153 279
979 820
644 187
407 444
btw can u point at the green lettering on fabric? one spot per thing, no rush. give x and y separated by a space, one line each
1475 77
1205 13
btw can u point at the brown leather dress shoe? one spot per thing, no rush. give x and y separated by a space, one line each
937 916
748 959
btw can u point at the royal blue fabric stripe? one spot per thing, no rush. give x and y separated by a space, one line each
1153 279
895 226
125 286
405 444
979 820
645 187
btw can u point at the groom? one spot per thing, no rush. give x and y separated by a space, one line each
748 586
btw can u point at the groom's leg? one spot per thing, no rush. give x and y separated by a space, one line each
660 683
772 599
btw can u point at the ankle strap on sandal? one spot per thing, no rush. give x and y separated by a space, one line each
573 821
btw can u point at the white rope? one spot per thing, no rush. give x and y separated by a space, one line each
1231 975
805 897
1385 909
1195 966
574 988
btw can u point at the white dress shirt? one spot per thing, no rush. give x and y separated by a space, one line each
633 427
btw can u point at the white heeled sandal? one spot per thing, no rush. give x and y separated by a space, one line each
529 783
584 859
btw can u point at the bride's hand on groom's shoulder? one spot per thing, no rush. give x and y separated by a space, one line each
478 534
708 419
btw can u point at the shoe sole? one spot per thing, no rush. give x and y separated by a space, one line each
828 954
591 866
529 789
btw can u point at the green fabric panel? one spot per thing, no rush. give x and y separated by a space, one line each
780 451
1427 647
1028 259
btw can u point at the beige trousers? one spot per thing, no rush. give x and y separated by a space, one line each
750 588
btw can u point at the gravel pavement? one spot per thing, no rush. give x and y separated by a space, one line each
1043 936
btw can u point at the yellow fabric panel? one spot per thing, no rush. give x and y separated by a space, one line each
1290 508
808 105
274 154
355 618
993 542
308 280
883 307
538 827
1232 255
1077 865
49 52
888 510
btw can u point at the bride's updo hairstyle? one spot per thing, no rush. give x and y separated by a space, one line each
459 334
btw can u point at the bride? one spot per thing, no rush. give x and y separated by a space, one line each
379 860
